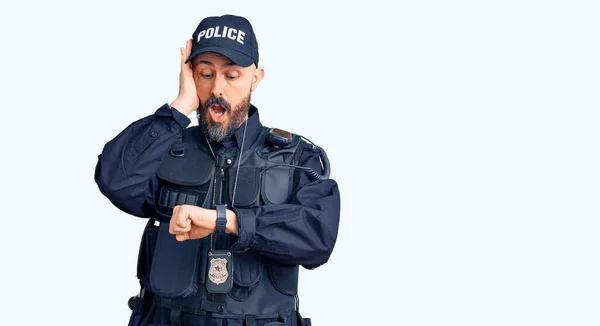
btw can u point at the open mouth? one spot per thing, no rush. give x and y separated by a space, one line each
217 113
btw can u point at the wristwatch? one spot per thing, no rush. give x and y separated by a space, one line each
221 219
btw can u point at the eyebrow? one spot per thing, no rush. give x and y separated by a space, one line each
227 64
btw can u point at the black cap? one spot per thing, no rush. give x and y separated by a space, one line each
229 35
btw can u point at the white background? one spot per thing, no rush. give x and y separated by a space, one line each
464 137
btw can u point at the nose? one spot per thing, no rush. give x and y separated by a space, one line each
218 86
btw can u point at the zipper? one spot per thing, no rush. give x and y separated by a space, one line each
214 192
221 188
218 183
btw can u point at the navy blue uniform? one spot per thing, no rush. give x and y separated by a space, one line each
302 231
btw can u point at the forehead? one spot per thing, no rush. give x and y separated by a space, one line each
212 58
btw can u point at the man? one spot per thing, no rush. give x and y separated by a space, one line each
234 207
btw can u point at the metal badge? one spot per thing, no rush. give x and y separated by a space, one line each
218 270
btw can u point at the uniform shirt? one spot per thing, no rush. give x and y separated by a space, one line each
301 232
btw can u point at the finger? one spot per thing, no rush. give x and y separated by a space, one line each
171 230
183 221
180 226
174 227
188 50
188 47
172 224
178 210
179 230
182 237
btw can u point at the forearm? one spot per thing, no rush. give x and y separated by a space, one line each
303 232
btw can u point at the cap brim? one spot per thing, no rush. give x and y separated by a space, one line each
238 58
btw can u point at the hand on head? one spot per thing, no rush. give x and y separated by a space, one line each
187 100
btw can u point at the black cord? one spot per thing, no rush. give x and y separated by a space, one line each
311 172
324 162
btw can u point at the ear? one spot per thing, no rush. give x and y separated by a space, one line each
259 74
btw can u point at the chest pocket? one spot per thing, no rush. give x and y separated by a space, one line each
276 179
184 178
259 186
247 190
276 185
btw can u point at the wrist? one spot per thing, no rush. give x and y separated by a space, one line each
232 223
183 106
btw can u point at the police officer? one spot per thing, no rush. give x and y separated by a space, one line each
233 207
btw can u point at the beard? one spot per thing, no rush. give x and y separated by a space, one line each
218 131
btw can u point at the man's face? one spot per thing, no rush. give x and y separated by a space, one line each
224 91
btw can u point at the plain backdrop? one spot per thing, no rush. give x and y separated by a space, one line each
463 135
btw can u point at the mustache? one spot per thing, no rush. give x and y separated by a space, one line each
217 101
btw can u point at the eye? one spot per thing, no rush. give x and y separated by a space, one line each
231 77
205 73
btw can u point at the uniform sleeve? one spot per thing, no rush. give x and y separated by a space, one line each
126 168
302 232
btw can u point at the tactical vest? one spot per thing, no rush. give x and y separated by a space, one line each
175 273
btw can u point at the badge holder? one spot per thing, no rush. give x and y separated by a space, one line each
220 268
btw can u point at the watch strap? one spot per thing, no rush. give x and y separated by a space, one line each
221 218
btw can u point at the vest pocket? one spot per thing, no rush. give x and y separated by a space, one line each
284 278
146 251
184 179
275 185
247 191
174 269
170 196
247 273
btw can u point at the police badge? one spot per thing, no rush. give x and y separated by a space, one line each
219 271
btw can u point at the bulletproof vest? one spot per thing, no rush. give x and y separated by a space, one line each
176 273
